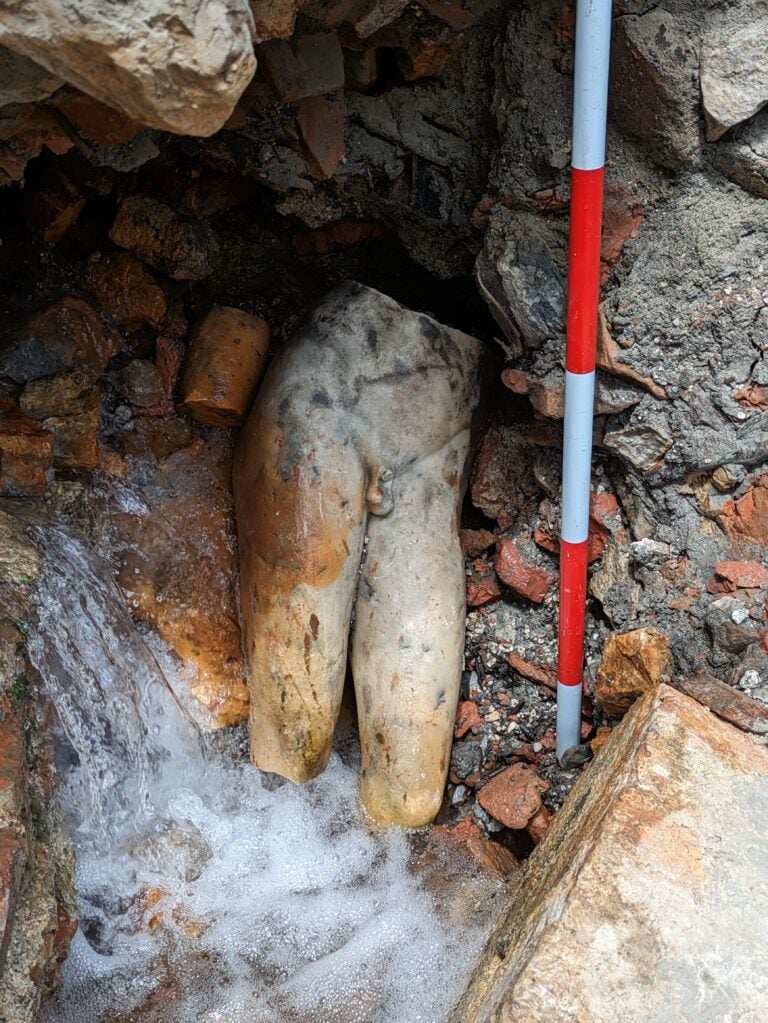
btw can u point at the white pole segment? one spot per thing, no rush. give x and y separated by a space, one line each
590 83
577 455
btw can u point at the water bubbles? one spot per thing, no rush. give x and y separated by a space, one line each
207 892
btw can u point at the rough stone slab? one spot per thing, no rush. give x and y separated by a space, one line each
728 703
648 899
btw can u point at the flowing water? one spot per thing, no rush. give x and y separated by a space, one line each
209 892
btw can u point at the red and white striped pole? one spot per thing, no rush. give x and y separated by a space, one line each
590 102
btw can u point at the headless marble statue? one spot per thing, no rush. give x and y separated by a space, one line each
361 429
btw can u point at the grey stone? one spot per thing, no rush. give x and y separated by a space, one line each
643 445
521 273
743 156
734 69
654 90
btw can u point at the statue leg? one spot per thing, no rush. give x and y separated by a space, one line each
300 505
408 640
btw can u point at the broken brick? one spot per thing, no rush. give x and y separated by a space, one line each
467 717
513 796
322 121
738 575
475 542
728 703
533 672
523 579
746 518
482 587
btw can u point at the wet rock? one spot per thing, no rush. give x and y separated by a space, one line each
226 360
728 703
466 760
180 246
155 437
126 292
654 85
632 663
69 407
171 525
522 578
174 847
641 866
139 382
26 455
180 68
734 78
69 333
513 798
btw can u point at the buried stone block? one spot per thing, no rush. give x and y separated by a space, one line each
372 440
647 898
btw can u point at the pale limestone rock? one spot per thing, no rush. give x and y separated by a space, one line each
648 899
177 65
734 65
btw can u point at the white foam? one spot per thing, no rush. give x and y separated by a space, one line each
227 900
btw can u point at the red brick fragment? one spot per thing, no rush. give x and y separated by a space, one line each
545 676
523 579
475 541
492 857
482 587
746 519
515 379
513 796
738 575
467 717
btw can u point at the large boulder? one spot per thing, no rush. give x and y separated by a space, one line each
179 66
647 898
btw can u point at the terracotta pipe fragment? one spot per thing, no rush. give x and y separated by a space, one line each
224 365
361 428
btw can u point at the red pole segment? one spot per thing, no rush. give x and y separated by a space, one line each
593 38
